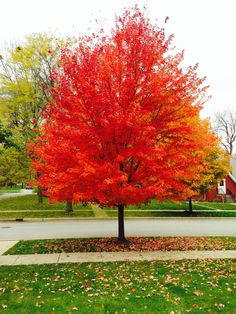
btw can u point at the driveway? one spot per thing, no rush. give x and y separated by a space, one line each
108 228
16 194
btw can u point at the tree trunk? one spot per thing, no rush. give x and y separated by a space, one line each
121 227
69 207
40 195
190 205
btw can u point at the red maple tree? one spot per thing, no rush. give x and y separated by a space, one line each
123 124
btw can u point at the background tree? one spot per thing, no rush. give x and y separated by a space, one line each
6 138
25 78
225 126
14 166
124 121
14 163
213 167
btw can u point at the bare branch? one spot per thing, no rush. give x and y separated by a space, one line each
225 127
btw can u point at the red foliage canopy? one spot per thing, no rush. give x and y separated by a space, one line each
123 125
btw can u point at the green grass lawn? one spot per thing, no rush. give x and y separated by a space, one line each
182 205
155 205
138 244
165 208
154 209
223 206
30 202
204 286
46 210
161 206
9 190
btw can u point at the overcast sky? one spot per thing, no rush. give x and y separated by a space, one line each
204 28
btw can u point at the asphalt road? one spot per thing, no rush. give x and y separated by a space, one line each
108 227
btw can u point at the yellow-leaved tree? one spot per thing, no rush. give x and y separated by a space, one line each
214 166
25 81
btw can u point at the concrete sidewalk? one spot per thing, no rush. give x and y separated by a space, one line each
60 258
112 257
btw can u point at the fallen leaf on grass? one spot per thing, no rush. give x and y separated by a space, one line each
37 304
198 293
219 305
136 244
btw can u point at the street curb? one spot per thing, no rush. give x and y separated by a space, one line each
111 218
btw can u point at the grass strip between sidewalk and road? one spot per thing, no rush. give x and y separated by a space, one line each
199 286
46 214
108 214
165 213
138 244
